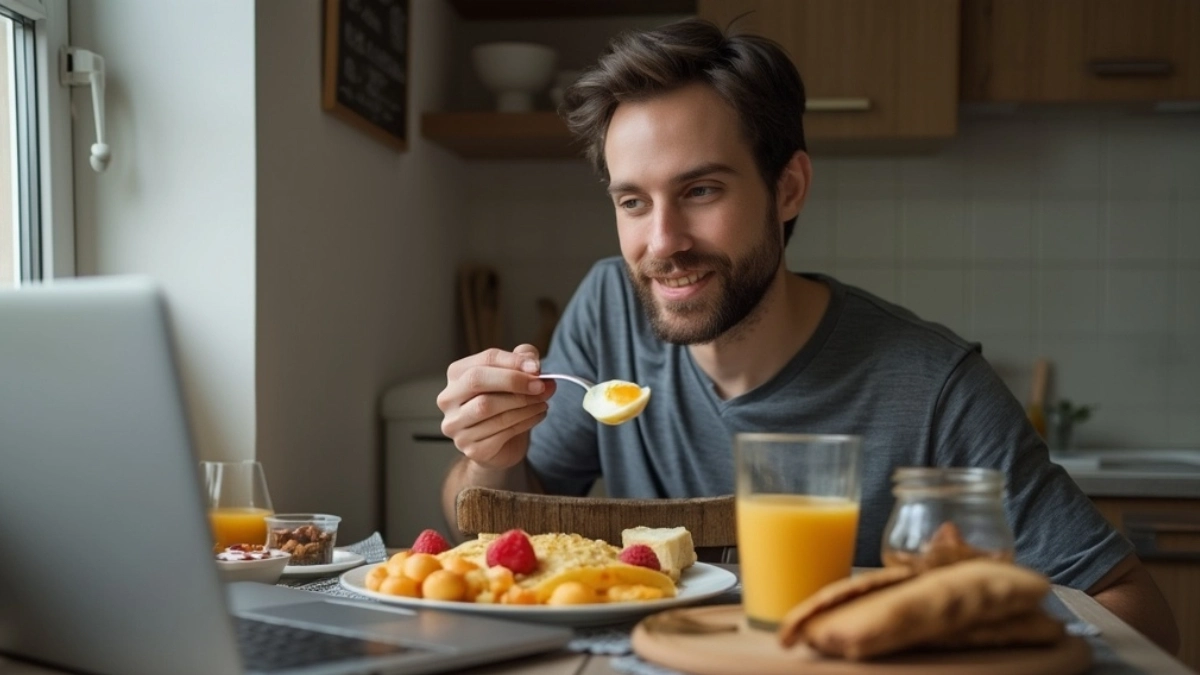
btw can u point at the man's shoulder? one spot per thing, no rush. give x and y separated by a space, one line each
882 327
606 273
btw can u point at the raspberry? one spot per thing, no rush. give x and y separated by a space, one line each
640 555
431 542
514 551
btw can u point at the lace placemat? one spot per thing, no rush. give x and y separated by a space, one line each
371 548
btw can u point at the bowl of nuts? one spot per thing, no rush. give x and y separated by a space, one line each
251 562
307 537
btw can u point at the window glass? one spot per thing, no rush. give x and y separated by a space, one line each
8 230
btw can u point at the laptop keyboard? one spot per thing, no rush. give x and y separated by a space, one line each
268 646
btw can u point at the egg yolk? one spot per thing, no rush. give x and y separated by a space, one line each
623 394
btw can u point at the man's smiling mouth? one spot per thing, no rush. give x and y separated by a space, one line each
680 282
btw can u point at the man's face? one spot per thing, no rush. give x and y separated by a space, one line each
699 232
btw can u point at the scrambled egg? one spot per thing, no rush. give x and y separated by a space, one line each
564 558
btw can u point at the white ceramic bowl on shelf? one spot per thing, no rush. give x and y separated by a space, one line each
514 72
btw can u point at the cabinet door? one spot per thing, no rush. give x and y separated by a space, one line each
1081 50
1172 558
872 69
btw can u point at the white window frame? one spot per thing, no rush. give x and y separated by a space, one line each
56 189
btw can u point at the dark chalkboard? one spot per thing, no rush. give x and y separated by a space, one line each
366 66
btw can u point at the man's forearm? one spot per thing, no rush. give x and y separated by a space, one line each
1130 592
466 473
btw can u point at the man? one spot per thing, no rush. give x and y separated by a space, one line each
698 137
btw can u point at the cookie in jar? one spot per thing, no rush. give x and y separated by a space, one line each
946 515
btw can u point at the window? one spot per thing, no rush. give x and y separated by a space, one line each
36 225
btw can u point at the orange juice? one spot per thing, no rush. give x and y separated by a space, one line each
239 526
788 547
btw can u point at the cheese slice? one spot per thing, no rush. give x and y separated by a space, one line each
672 545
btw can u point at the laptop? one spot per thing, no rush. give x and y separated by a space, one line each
106 563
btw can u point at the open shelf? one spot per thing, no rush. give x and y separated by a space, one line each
493 135
565 9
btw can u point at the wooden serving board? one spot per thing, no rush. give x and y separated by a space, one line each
715 640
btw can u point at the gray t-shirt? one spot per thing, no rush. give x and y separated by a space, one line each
918 394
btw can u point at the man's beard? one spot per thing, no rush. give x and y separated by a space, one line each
741 287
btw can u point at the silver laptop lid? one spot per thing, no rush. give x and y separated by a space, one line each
94 456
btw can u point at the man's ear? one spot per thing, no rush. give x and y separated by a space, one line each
792 189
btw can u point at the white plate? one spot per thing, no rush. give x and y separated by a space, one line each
342 560
700 581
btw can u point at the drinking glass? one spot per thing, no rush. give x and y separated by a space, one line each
238 502
797 507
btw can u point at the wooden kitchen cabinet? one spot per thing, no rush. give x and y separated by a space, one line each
1080 50
873 70
1171 554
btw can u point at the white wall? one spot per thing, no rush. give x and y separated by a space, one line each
178 201
357 250
1071 234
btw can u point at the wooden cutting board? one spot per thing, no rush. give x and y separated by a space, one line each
714 640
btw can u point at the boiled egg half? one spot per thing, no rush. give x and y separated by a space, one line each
615 401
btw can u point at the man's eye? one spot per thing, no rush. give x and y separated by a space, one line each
701 191
630 204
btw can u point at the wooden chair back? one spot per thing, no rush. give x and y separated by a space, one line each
710 520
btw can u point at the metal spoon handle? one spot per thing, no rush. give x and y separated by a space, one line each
569 378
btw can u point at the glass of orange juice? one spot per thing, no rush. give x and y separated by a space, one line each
797 509
238 502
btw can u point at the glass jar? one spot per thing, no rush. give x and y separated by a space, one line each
944 515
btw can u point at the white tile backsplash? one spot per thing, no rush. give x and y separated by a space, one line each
1139 230
1187 304
1138 155
1138 301
1069 301
1002 230
1184 377
938 295
1001 302
933 229
1187 228
813 238
1065 233
1068 159
870 178
867 229
1067 230
880 280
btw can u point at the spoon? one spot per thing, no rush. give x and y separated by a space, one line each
600 403
569 378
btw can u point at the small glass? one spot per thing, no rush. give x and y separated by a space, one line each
797 507
238 502
308 537
944 515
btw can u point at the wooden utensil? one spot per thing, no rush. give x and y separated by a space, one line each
1036 411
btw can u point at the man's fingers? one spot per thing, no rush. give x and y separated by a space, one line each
494 358
531 360
487 409
484 442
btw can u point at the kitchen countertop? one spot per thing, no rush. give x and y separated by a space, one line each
1167 474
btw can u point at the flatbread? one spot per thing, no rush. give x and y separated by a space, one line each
1033 628
837 593
932 605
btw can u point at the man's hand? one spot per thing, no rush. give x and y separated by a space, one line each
491 401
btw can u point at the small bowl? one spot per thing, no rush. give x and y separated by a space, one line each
308 537
514 72
266 571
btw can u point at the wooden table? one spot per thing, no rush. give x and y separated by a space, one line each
1129 645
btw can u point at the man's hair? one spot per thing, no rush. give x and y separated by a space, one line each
752 74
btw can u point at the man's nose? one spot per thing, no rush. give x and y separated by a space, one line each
669 232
